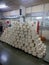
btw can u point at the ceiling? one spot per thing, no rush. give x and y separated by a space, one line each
14 4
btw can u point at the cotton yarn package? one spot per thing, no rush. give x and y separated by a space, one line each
23 36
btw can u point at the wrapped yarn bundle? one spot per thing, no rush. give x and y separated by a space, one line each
23 37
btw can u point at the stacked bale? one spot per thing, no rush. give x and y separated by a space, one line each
23 37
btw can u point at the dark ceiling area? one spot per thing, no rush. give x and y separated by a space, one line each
14 4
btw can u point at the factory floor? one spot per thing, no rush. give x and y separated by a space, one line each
12 56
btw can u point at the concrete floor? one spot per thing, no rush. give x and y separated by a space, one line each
12 56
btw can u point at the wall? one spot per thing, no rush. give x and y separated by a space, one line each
38 8
11 13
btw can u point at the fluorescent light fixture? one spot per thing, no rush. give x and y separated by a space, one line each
3 6
38 17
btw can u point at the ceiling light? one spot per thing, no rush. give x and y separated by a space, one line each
38 17
3 6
